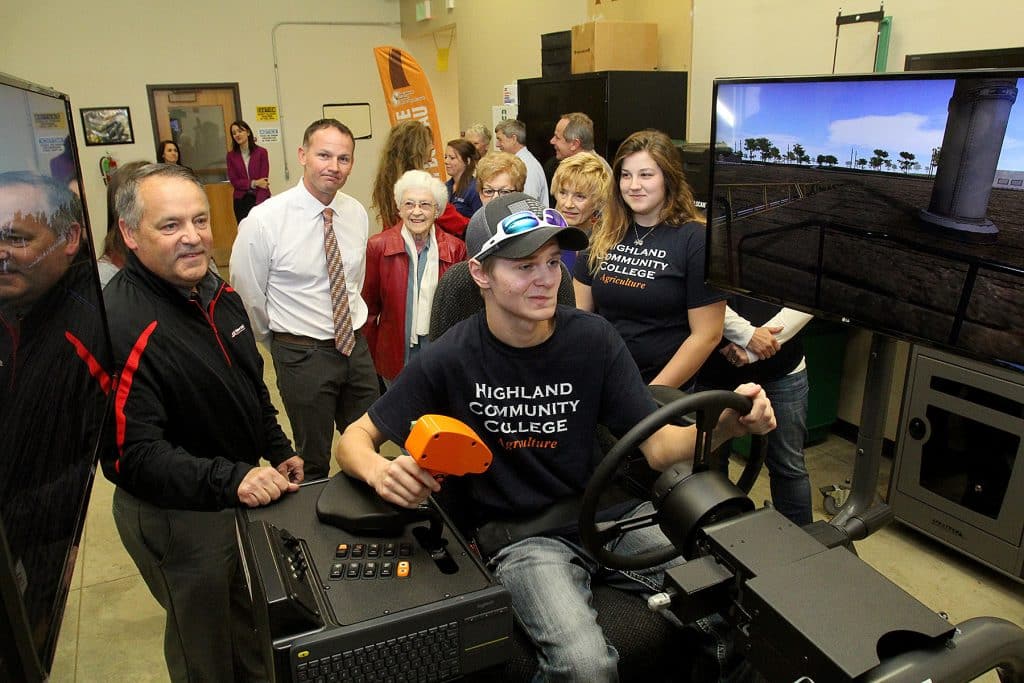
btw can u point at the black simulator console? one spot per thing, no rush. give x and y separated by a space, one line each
777 584
388 597
348 587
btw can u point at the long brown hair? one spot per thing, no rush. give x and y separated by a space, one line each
407 147
467 152
235 147
679 206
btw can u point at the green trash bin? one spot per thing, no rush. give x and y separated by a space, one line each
824 349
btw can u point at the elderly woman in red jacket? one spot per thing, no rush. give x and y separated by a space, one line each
403 266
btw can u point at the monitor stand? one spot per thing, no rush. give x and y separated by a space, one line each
871 435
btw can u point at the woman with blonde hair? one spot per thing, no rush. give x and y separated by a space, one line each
403 266
408 147
581 187
499 174
645 268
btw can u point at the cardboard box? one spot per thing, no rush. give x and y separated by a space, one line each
614 46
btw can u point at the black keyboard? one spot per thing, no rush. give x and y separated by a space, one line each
427 656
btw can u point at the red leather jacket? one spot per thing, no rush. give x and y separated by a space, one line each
384 291
452 222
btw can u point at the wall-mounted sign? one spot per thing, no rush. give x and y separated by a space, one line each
266 112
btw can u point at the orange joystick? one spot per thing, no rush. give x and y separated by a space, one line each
443 445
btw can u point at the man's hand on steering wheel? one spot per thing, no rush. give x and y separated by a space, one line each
703 494
760 419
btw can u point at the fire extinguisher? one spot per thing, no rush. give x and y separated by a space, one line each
108 165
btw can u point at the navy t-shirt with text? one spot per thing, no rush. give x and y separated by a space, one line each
645 291
536 408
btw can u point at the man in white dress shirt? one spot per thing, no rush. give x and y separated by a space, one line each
510 136
280 267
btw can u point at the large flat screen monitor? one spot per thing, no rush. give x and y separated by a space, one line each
893 202
997 58
54 364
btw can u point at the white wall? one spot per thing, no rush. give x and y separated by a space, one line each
106 54
495 43
348 73
797 37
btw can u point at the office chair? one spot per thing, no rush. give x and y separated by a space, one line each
648 645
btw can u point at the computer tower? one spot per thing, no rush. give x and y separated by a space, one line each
959 469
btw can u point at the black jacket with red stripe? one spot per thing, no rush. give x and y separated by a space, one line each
193 414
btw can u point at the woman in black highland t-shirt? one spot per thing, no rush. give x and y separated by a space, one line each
644 270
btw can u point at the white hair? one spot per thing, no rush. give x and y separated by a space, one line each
421 180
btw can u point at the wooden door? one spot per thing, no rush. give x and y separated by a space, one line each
197 117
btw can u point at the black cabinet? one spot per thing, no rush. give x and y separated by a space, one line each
619 102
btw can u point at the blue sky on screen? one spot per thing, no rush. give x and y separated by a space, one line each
850 118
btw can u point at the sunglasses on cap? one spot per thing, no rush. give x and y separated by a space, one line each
519 223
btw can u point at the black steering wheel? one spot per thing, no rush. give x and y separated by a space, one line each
684 501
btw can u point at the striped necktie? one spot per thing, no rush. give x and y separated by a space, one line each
344 337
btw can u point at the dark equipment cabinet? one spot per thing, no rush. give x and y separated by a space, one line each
619 102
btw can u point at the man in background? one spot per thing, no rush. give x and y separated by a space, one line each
511 135
298 263
763 343
193 419
574 133
480 136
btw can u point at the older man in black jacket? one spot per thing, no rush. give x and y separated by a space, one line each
193 420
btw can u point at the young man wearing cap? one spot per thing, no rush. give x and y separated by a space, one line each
534 380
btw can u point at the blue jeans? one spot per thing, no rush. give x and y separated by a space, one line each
549 580
787 471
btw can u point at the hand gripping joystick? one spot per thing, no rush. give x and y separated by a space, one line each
443 445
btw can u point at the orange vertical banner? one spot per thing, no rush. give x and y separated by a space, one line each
407 94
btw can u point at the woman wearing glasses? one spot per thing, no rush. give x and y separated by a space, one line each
581 187
460 157
408 147
403 266
499 174
644 270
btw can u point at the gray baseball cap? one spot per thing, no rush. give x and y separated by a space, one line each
515 226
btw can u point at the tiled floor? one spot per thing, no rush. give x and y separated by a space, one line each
113 628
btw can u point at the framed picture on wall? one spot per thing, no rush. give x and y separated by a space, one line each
107 126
